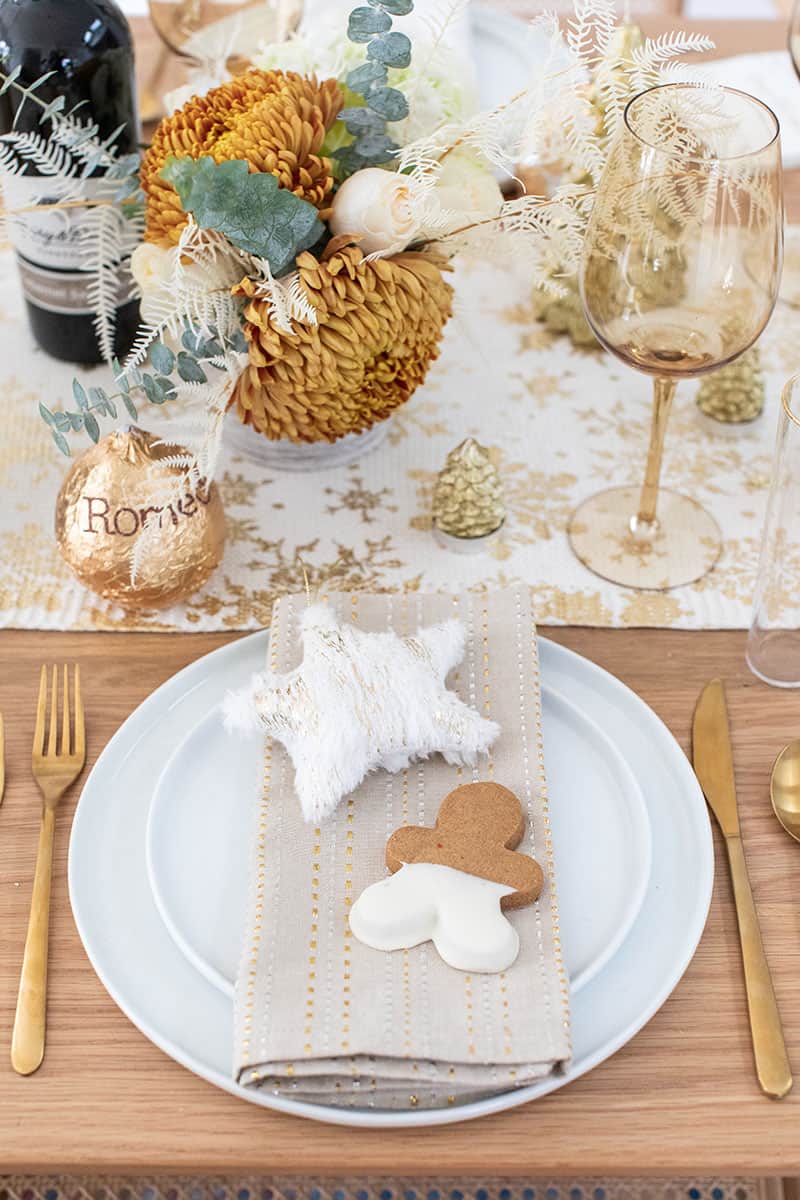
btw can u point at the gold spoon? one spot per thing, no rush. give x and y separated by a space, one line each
784 789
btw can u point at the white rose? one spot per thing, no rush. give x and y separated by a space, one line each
378 206
467 186
152 267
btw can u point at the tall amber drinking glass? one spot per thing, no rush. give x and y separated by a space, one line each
680 273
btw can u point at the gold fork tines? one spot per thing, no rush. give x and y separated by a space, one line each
56 762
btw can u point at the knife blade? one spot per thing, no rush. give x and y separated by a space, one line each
713 756
713 765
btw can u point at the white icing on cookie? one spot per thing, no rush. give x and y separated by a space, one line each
459 913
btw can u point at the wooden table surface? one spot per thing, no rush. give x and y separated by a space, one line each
680 1098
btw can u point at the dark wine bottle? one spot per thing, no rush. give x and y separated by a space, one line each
87 45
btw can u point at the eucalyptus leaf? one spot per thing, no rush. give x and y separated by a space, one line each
238 342
252 211
362 120
61 442
209 349
166 387
79 394
45 413
376 148
398 8
9 79
190 370
389 102
364 23
362 78
98 399
64 423
191 340
131 407
151 389
393 49
91 426
162 358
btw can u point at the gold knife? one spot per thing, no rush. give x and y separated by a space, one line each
713 764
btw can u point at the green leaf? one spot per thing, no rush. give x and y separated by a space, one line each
99 400
364 23
392 49
91 426
362 78
361 120
389 102
151 389
375 148
9 79
46 415
64 422
190 370
166 387
239 342
252 211
162 358
61 442
79 394
131 407
398 8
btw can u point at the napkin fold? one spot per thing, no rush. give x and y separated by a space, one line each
320 1017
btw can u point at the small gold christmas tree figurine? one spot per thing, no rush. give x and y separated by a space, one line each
468 497
735 393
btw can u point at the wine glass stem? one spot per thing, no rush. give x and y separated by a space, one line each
663 391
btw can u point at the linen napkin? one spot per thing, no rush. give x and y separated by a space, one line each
317 1015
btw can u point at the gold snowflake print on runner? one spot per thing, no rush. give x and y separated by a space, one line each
32 573
355 497
648 609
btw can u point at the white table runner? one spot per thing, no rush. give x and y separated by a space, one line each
567 423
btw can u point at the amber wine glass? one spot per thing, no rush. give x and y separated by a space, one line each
680 273
794 36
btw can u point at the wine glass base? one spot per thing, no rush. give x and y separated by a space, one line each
682 545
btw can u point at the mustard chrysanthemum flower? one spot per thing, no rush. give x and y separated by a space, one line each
378 328
275 120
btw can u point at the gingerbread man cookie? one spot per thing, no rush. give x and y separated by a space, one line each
451 883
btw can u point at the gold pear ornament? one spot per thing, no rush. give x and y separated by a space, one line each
132 524
468 504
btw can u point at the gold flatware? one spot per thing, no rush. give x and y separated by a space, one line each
713 764
56 765
784 789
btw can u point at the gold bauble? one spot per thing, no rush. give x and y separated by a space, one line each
734 394
120 488
468 498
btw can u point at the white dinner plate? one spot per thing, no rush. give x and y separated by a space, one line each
190 1018
198 852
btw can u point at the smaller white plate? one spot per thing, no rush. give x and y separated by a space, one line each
198 854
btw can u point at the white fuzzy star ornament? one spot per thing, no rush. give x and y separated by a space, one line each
360 701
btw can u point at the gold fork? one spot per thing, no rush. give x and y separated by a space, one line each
55 767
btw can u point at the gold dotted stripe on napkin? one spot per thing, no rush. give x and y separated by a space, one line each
548 840
313 932
261 838
487 708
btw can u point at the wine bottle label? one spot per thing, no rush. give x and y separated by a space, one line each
51 249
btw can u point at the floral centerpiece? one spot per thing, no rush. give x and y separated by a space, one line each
292 233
